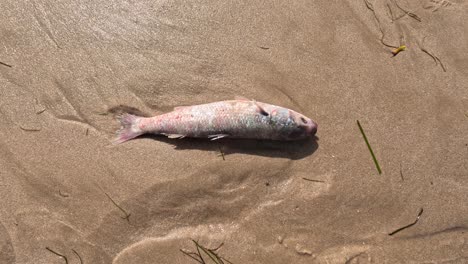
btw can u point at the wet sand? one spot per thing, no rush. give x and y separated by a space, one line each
65 188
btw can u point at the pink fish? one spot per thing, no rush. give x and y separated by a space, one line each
240 118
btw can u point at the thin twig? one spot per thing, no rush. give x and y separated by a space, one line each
58 254
87 131
312 180
30 129
76 253
410 225
401 173
4 64
369 147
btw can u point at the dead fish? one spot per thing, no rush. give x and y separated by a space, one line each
240 118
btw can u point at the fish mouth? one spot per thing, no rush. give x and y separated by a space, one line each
303 131
311 129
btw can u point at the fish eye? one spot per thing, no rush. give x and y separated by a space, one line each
303 120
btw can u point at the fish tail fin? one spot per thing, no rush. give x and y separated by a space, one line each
129 128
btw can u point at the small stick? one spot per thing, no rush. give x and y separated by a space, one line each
410 225
4 64
264 48
30 129
401 173
87 131
58 254
76 253
127 215
369 147
312 180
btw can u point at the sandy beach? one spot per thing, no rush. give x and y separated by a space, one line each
68 195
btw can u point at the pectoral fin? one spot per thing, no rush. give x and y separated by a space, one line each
260 109
218 136
174 135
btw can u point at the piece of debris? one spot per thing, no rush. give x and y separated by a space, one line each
400 49
303 251
369 147
406 226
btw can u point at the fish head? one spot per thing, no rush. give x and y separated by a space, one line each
293 125
301 127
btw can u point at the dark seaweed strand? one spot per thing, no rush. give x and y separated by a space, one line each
76 253
370 149
212 256
5 64
189 254
401 173
58 254
410 225
198 250
307 179
127 215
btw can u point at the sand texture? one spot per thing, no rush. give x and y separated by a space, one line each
68 67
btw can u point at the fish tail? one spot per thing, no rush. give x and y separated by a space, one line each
129 128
